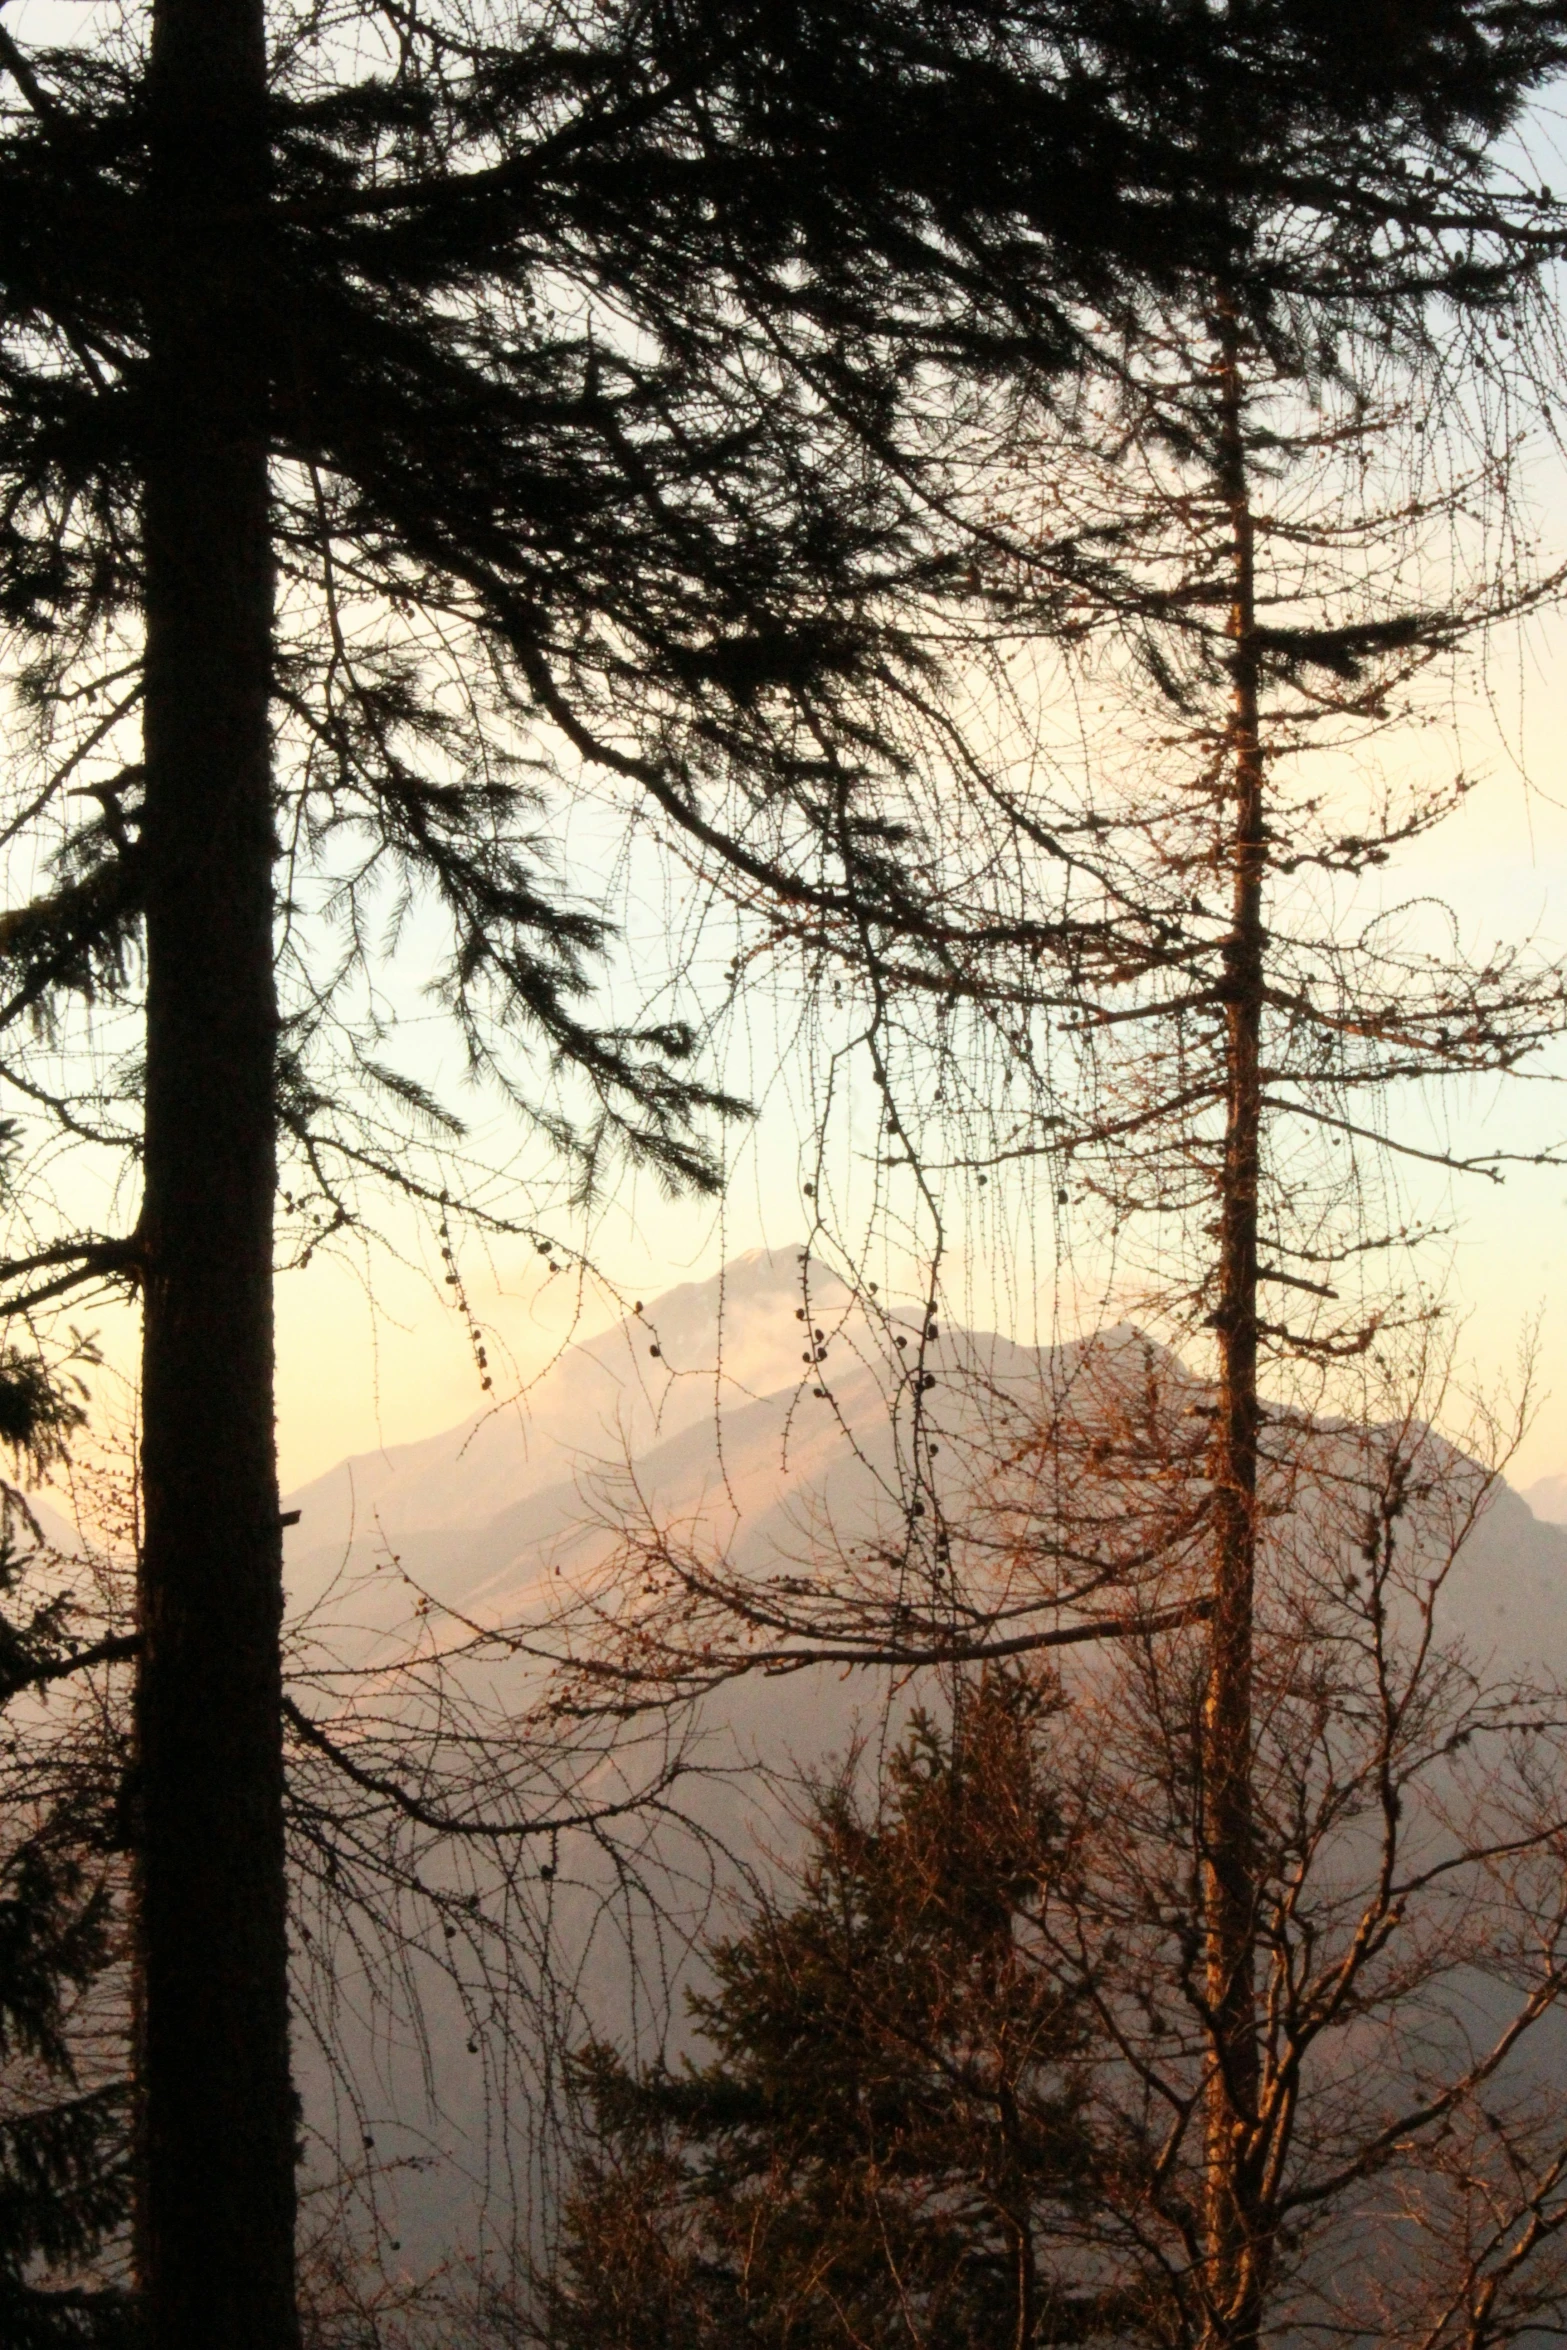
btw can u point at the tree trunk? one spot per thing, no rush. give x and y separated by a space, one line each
1018 2218
1235 2253
217 2121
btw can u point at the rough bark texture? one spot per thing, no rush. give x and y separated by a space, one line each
217 2116
1235 2251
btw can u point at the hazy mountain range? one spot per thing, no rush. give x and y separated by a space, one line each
716 1408
711 1410
761 1410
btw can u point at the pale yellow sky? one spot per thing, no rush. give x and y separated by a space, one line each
370 1353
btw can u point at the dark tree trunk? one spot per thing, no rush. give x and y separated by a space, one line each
1235 2252
217 2118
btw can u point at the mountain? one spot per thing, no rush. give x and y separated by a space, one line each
714 1410
709 1411
765 1414
709 1408
717 1409
1547 1497
704 1347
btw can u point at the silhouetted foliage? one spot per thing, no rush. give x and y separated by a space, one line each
64 2101
890 2131
406 416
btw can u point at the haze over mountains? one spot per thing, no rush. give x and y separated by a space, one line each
715 1409
1547 1497
708 1411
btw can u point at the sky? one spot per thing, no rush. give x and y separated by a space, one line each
370 1351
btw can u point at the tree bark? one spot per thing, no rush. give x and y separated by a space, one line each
217 2118
1234 2248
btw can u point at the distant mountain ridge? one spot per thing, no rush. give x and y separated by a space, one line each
1547 1497
721 1431
706 1410
701 1347
702 1411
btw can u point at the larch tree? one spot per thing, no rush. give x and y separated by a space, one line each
1252 537
1301 556
1267 577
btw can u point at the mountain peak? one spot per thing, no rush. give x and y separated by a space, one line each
1547 1497
701 1346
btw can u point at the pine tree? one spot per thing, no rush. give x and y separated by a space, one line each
888 2134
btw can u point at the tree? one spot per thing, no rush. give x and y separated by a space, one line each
1252 543
234 366
64 2099
1239 515
435 1837
1396 2165
888 2133
1221 1094
991 1999
380 422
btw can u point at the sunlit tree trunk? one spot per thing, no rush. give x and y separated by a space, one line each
1233 2248
217 2119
